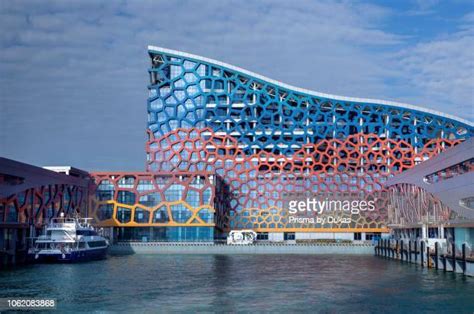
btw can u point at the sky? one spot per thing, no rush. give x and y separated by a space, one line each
73 74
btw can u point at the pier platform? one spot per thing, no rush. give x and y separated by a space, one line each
417 252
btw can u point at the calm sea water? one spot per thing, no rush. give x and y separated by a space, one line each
242 283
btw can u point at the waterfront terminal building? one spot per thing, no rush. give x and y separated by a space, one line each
269 143
30 196
435 200
230 149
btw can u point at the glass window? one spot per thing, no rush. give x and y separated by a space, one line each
156 104
372 236
174 193
193 198
206 215
467 202
160 215
180 213
21 197
206 196
432 233
12 214
124 214
450 172
145 185
105 191
175 71
126 197
162 181
189 234
150 200
141 215
126 182
105 211
94 244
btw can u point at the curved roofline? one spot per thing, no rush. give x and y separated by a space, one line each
307 91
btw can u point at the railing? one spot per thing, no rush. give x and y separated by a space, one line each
62 225
69 222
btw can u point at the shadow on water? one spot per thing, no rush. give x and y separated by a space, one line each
233 283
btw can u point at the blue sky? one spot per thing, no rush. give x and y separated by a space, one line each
73 74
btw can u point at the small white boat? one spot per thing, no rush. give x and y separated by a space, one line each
243 237
69 240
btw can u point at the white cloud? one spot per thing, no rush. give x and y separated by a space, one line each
75 72
441 71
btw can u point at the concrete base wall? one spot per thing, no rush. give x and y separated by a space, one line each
324 236
160 248
276 236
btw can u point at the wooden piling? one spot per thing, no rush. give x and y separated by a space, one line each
401 250
409 251
464 266
453 255
416 251
422 244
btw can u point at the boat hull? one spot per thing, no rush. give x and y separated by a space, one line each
72 257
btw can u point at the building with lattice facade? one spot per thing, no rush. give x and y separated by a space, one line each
268 143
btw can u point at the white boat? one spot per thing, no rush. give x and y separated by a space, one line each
243 237
69 240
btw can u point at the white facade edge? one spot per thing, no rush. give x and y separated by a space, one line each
307 91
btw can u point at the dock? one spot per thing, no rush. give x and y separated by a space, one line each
446 258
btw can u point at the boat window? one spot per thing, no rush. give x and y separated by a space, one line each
82 245
85 232
94 244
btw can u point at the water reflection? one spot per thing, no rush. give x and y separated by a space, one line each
233 283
